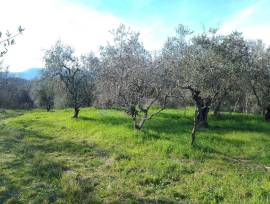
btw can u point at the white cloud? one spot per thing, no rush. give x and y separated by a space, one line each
86 29
251 21
47 21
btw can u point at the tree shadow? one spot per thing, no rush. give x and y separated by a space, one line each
229 149
224 122
32 158
206 149
84 118
4 114
167 126
47 144
175 116
235 122
108 120
10 190
132 198
166 129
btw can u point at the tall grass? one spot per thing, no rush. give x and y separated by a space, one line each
99 158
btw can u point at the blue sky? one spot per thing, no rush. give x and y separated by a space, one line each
195 13
84 24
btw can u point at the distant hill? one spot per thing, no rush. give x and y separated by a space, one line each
28 74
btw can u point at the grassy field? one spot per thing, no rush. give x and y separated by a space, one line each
98 158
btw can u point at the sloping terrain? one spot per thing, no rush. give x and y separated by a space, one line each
98 158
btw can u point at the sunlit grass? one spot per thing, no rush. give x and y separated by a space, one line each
50 157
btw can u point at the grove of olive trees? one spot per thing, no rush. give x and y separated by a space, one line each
212 71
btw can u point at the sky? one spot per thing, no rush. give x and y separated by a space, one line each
85 24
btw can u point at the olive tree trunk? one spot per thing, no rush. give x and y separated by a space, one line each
202 107
138 122
76 112
48 108
267 113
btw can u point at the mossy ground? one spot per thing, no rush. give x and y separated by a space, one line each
99 158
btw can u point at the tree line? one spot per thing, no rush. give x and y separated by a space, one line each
212 71
14 92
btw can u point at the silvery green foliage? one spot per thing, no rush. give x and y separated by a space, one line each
213 63
92 66
127 68
170 58
209 65
43 92
258 75
73 72
209 62
129 73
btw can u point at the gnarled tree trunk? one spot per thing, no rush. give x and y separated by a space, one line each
202 116
201 111
138 122
267 113
203 107
76 112
138 125
48 108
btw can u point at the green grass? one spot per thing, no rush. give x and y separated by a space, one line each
98 158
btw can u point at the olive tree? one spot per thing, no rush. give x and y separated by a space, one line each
234 50
130 76
91 65
6 40
259 76
199 70
171 55
208 65
62 64
43 92
211 68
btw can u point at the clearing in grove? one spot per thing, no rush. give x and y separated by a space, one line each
48 157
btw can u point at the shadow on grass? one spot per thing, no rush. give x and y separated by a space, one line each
176 116
37 142
166 128
4 114
32 159
131 198
108 120
207 149
171 126
217 146
8 189
224 123
237 122
162 124
84 118
211 142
